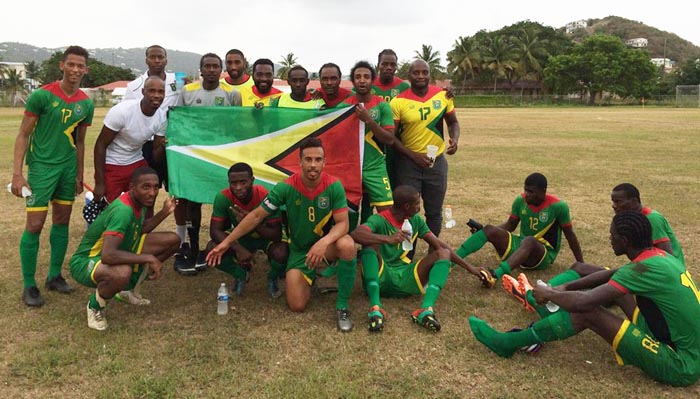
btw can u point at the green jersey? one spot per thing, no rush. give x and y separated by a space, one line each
661 231
225 200
121 218
380 111
53 138
393 89
309 211
384 223
668 298
544 221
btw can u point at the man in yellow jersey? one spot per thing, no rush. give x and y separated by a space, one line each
236 66
298 80
262 91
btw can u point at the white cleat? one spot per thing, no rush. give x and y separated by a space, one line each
96 319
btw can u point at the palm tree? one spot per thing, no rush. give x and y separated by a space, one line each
499 57
32 70
432 58
13 84
531 52
465 58
287 62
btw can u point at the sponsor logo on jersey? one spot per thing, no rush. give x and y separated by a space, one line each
544 215
437 104
198 101
323 202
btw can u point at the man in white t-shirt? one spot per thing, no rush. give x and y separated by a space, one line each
127 126
156 60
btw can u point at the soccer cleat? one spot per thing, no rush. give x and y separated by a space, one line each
488 278
132 298
273 289
239 286
524 283
426 318
474 226
376 317
96 319
530 349
184 264
201 261
32 297
59 284
518 291
344 320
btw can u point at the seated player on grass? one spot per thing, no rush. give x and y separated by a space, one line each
119 247
664 343
388 271
231 205
542 218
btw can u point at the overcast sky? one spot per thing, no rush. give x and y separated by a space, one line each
316 31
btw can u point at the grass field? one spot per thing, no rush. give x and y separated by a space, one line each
179 348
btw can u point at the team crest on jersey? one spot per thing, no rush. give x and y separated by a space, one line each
78 109
218 101
297 202
54 104
544 216
323 202
373 113
394 93
437 104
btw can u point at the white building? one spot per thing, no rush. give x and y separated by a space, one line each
665 63
571 27
639 42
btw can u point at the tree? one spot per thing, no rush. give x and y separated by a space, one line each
499 57
602 63
530 52
464 60
13 83
99 73
32 70
688 73
287 62
432 58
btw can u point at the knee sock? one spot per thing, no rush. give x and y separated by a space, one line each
563 278
193 233
472 244
436 281
503 268
96 301
277 270
346 280
228 266
28 251
370 269
58 239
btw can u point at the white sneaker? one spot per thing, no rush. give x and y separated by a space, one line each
132 298
96 319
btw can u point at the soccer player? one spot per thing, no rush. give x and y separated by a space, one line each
312 198
664 343
379 132
209 92
298 80
262 91
542 218
117 247
127 127
386 269
330 90
51 140
387 85
231 205
419 114
236 66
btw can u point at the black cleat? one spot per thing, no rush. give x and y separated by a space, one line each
59 284
32 297
474 226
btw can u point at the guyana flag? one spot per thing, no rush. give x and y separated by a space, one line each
203 143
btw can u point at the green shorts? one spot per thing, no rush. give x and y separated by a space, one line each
376 186
634 344
400 280
513 245
83 270
50 183
297 259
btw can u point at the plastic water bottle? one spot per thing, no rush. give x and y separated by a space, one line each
222 303
406 227
449 221
551 306
26 192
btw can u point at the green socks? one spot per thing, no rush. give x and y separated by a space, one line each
346 280
370 270
277 270
563 278
503 268
28 251
228 266
472 244
436 281
58 239
96 302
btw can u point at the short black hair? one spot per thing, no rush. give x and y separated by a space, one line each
156 46
310 142
538 180
240 167
330 65
634 226
630 190
75 50
235 51
264 61
297 68
387 51
210 55
403 195
362 64
142 171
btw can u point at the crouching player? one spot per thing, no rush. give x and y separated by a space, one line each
119 246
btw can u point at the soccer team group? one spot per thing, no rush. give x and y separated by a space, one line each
305 228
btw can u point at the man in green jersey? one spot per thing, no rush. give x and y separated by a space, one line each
388 271
664 343
117 247
231 205
317 212
51 141
542 218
